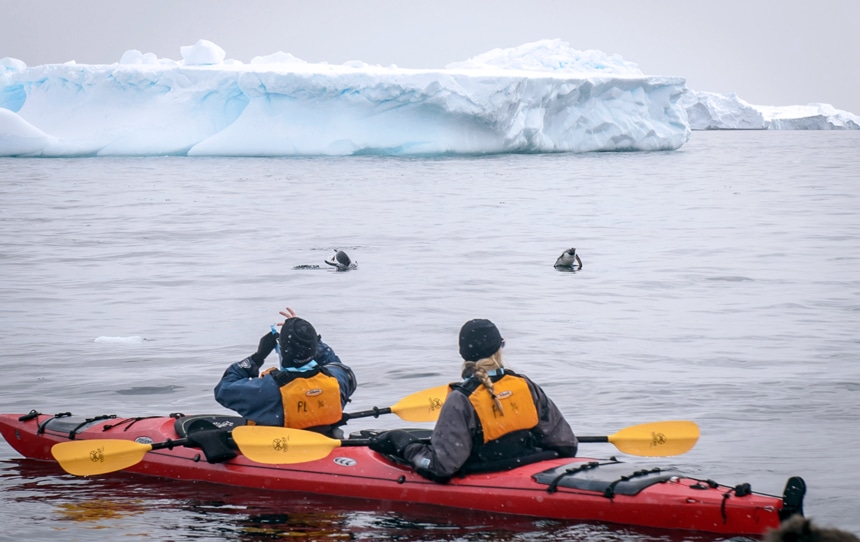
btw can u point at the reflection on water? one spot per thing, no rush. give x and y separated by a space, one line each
99 509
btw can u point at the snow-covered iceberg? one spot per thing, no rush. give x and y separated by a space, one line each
711 111
814 116
539 97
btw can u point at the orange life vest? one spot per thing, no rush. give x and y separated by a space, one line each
311 401
518 407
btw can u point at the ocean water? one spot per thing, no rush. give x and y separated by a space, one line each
720 285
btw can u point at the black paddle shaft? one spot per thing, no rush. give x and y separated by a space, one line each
592 439
169 444
374 412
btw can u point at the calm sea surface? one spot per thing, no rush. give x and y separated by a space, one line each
721 284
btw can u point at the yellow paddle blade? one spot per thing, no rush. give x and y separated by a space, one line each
281 445
422 406
88 457
657 439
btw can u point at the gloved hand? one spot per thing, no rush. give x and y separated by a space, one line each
267 344
392 442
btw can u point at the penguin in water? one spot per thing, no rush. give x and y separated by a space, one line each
569 259
341 261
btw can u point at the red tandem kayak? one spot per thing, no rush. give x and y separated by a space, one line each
576 489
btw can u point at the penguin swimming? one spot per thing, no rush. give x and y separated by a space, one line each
569 259
341 261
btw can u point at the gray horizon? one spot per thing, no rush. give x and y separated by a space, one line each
781 54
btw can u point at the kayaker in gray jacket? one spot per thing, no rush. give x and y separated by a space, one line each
307 391
495 419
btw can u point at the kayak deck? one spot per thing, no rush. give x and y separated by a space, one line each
578 489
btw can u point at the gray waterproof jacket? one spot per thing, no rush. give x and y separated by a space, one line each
455 435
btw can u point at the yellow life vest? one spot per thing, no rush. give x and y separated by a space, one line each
311 401
518 407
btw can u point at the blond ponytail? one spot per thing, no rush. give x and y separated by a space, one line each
479 370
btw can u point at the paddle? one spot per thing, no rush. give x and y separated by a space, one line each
100 456
422 406
657 439
281 445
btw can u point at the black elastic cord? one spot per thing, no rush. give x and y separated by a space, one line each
55 416
553 486
609 492
88 421
29 416
740 490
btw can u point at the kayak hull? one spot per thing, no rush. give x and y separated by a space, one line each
674 501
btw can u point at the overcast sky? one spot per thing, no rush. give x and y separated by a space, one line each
780 52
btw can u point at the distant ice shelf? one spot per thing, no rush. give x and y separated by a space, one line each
539 97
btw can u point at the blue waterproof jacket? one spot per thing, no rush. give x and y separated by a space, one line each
259 399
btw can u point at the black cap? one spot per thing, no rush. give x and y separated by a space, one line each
479 339
298 341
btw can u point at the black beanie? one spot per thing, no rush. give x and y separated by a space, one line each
298 341
479 339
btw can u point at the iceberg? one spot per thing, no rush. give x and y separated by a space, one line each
712 111
814 116
536 98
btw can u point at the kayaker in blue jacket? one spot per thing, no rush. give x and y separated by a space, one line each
307 391
494 419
